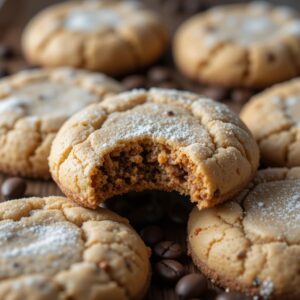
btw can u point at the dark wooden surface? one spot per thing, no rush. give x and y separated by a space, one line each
13 16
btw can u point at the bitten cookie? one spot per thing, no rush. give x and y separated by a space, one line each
114 37
274 119
160 139
50 248
252 244
33 106
254 45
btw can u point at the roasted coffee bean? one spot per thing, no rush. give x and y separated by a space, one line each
191 285
134 82
178 210
159 74
194 6
169 271
150 212
6 52
3 72
13 188
216 93
168 249
152 235
241 95
232 296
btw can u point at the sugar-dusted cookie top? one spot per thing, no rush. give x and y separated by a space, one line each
254 44
252 244
33 106
113 37
157 139
50 248
274 118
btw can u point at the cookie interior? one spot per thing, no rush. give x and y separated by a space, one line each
147 165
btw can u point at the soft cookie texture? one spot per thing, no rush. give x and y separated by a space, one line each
33 106
114 37
254 45
252 244
160 139
274 119
50 248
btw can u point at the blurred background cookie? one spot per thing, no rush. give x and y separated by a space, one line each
252 244
33 106
274 119
114 37
253 45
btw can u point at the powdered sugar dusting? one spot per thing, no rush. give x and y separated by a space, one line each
273 210
157 121
266 289
37 240
257 22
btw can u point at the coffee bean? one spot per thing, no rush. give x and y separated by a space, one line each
13 188
216 93
3 72
159 74
168 249
232 296
149 212
6 51
191 285
178 210
169 271
151 235
134 82
194 6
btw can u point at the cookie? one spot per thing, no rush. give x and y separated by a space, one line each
253 45
252 244
114 37
50 248
157 139
274 119
33 106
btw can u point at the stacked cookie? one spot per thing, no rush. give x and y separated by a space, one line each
101 142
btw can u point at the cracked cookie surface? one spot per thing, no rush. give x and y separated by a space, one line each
50 248
252 244
254 45
156 139
274 119
33 106
114 37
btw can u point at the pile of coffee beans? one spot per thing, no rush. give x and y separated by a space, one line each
13 188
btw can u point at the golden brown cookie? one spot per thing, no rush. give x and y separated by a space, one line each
33 106
50 248
254 45
274 119
252 244
160 139
114 37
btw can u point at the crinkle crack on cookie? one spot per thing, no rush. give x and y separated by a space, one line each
33 106
252 244
160 139
274 119
50 248
114 37
254 45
